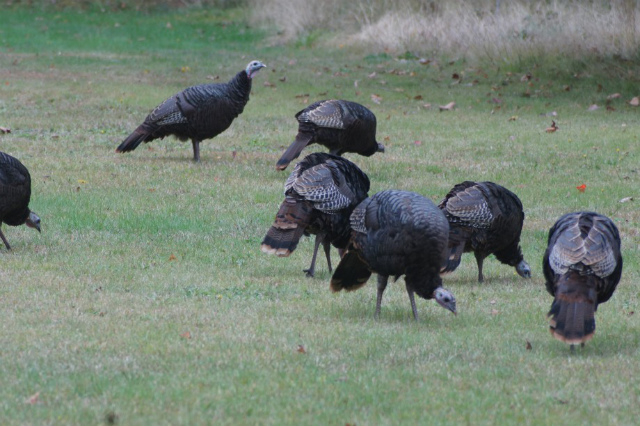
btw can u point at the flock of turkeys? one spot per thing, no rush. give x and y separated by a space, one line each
392 232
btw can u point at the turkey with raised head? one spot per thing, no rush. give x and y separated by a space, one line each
342 126
397 233
582 267
197 113
320 194
484 218
15 193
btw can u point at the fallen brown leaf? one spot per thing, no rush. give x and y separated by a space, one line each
172 257
186 335
5 130
448 107
376 98
268 84
553 127
33 399
528 346
283 78
614 96
301 349
111 418
626 199
635 101
593 107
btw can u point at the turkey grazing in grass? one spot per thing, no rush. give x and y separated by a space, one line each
15 193
320 194
485 218
341 126
397 233
582 267
197 113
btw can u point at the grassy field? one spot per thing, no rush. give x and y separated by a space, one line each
146 299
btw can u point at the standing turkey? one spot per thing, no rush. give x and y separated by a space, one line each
197 113
341 126
397 233
485 218
582 267
15 193
320 194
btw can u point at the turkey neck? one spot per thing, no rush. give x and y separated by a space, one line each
240 88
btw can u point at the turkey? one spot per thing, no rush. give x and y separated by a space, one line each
485 218
341 126
197 113
397 233
320 194
582 267
15 192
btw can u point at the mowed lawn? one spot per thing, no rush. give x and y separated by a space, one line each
146 299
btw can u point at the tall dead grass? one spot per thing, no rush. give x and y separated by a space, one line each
470 29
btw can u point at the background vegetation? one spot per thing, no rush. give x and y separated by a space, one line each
146 299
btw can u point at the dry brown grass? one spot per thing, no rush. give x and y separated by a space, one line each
469 29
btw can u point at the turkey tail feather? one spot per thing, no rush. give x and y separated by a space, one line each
281 242
452 261
572 314
351 273
292 219
138 136
294 150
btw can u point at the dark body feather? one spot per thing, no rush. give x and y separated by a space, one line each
396 233
197 113
320 194
484 218
582 267
15 194
342 126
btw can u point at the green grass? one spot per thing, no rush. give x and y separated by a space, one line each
138 249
